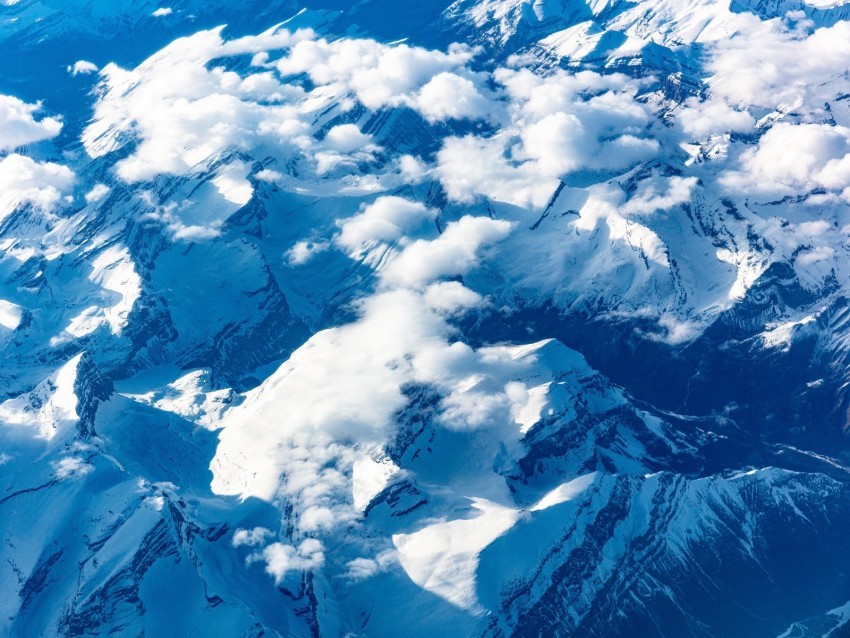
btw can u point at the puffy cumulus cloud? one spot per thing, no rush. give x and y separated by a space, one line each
561 143
82 67
364 568
471 167
701 119
250 537
795 159
454 252
97 193
347 138
281 559
269 175
387 219
381 75
555 126
659 193
23 181
344 146
451 297
19 126
449 96
303 251
71 467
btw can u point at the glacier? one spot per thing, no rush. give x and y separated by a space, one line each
444 318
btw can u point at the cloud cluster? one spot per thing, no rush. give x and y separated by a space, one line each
555 126
82 67
280 558
186 110
364 568
250 537
342 389
774 65
795 159
185 114
387 219
19 126
72 467
454 252
24 181
435 83
659 193
700 119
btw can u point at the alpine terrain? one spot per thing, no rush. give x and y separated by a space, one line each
373 318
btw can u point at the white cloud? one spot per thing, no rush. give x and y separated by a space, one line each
412 169
24 181
378 74
269 175
364 568
815 255
250 537
282 559
402 336
471 166
162 11
454 252
700 119
19 127
347 138
794 159
562 143
387 219
195 233
448 96
82 67
659 193
769 65
97 193
451 297
676 331
186 111
303 251
554 126
71 467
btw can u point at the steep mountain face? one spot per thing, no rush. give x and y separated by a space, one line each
485 318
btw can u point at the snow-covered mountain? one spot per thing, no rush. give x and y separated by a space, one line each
485 318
